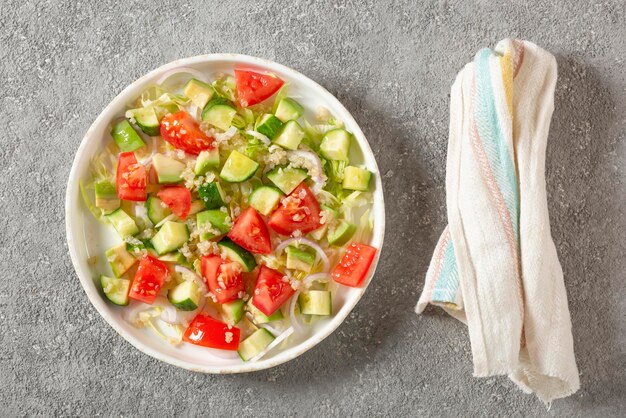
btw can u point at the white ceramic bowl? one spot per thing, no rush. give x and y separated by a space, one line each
86 237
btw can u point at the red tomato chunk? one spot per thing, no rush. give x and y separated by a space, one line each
272 289
131 178
184 133
253 88
209 332
355 264
149 279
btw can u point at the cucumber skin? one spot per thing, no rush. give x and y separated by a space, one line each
211 196
246 259
103 280
125 136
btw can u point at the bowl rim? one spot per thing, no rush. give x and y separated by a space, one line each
87 282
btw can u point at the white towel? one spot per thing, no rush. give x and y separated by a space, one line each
495 267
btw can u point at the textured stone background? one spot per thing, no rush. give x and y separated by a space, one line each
392 65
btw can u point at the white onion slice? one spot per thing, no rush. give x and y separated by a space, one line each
168 314
321 255
167 218
260 137
197 74
282 337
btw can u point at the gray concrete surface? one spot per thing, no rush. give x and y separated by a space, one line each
392 65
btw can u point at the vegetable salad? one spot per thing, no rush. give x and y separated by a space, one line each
239 212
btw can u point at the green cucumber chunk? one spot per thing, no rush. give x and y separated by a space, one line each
126 138
106 196
176 258
147 120
355 178
213 222
170 237
116 290
341 233
288 109
168 169
238 168
259 317
185 296
165 109
219 115
120 259
206 161
316 302
254 344
336 144
287 178
299 259
290 135
265 199
157 210
234 252
199 92
212 195
233 311
268 125
123 223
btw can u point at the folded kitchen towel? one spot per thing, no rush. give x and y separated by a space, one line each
495 266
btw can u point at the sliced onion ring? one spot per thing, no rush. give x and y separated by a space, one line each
320 179
260 137
321 255
282 337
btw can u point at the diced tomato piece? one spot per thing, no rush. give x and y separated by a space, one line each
131 178
298 211
271 290
253 88
178 199
223 279
183 132
354 265
209 332
250 232
148 280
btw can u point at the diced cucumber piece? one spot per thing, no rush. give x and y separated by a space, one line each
185 296
233 311
299 259
157 210
146 119
336 144
316 302
168 169
136 248
199 92
265 199
106 196
170 237
341 233
212 195
120 259
238 168
207 160
116 290
319 233
287 178
254 344
176 258
126 137
213 219
259 317
234 252
123 224
288 109
268 125
219 115
355 178
290 135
